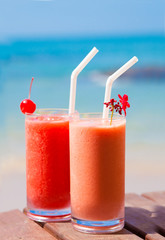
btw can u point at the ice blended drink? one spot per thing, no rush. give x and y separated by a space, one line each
97 165
47 165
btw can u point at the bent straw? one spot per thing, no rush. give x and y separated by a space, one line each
74 76
110 81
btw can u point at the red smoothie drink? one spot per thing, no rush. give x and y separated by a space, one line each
47 165
97 163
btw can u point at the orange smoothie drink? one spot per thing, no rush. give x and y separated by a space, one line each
97 173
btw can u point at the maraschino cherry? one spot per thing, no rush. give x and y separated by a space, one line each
27 106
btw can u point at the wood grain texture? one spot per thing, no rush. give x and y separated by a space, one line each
145 219
135 200
65 231
140 223
157 197
14 225
145 216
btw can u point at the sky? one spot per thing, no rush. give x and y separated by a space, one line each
33 18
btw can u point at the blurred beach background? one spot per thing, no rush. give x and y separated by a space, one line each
47 40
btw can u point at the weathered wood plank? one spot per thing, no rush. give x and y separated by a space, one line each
145 215
135 200
140 223
14 225
65 231
158 197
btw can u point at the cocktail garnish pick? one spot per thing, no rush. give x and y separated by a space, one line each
27 106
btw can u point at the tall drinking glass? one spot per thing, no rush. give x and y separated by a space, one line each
97 165
47 165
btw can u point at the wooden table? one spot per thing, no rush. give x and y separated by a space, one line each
145 219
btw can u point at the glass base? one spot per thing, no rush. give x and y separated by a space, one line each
49 215
97 227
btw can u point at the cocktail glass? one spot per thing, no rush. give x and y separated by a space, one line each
47 165
97 165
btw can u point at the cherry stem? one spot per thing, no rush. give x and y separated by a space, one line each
30 87
112 114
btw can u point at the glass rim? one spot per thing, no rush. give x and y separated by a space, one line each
50 111
62 112
98 116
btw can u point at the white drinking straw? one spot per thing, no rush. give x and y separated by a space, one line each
74 76
110 81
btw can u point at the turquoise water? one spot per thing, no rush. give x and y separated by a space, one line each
51 62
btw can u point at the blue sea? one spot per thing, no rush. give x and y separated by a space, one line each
51 62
